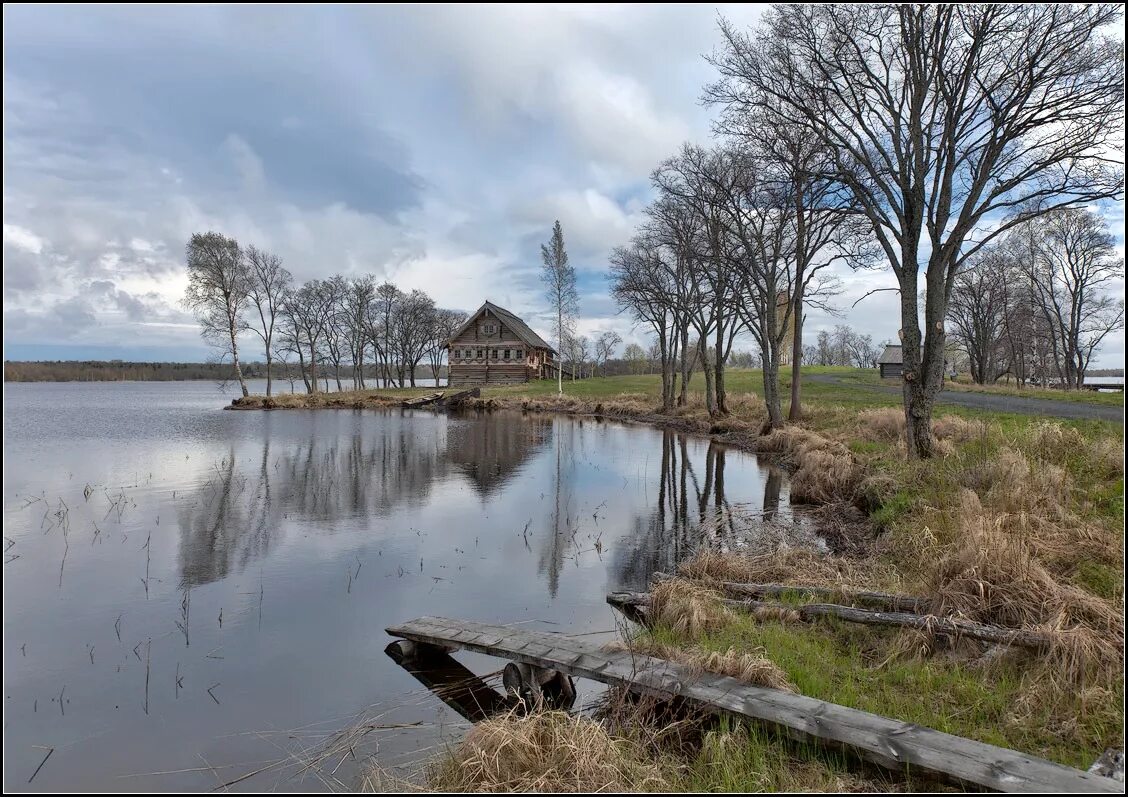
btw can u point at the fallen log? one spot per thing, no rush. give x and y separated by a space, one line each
942 626
877 600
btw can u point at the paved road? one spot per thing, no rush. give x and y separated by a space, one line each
999 403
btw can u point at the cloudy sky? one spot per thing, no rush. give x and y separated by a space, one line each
432 146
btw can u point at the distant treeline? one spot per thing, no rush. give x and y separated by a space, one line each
121 371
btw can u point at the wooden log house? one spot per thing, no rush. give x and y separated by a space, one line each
495 347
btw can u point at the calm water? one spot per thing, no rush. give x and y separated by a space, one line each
192 594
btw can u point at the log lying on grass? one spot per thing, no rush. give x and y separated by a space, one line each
877 600
942 626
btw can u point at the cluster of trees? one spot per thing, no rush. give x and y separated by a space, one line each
1032 306
929 131
327 323
843 346
581 355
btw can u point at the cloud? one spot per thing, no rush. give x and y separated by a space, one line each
430 145
24 240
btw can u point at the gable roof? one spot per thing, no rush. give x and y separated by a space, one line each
891 355
519 327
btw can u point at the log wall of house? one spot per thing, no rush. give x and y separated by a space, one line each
480 366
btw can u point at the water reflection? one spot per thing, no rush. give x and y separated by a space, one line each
298 537
238 513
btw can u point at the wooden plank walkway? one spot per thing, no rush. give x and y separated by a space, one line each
884 741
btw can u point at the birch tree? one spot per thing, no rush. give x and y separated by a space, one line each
218 290
560 288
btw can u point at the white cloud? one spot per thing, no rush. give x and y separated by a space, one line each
23 239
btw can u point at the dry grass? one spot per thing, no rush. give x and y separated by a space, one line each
887 425
625 405
1010 483
546 752
958 429
991 574
824 470
788 565
882 423
686 608
748 666
349 399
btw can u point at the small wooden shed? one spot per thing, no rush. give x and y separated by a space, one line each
889 364
495 347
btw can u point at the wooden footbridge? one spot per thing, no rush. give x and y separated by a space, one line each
887 742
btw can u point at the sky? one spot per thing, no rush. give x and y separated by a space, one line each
431 146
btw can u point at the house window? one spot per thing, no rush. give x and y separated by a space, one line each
494 353
489 328
506 356
457 353
479 354
520 353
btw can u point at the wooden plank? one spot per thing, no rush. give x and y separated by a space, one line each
422 400
885 741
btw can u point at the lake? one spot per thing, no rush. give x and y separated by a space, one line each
192 595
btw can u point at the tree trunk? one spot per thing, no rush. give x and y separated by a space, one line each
769 361
686 367
235 357
719 369
796 411
268 377
302 368
707 369
667 388
922 365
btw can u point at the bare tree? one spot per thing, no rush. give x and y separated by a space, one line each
560 287
357 300
267 283
444 325
307 311
704 182
644 285
605 346
1075 257
941 119
977 311
413 325
635 356
218 293
827 226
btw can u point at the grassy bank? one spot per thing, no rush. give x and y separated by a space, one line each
1018 522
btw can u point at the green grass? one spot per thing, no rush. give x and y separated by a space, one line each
846 664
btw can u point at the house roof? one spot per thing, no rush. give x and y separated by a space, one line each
519 327
891 355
